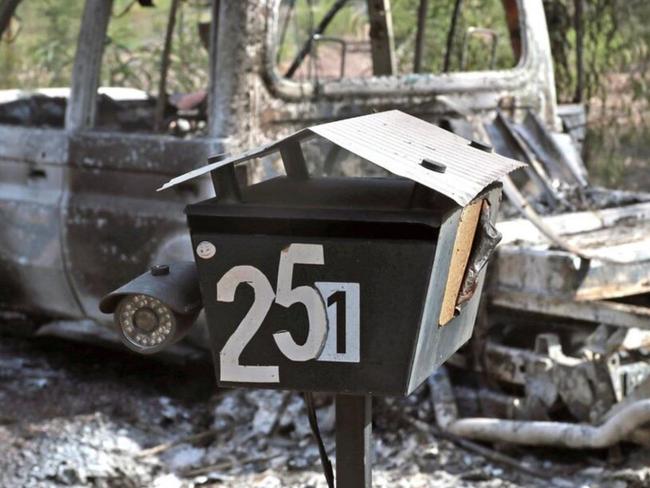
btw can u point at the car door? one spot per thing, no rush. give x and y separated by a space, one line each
33 154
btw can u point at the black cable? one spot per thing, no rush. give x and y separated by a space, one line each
306 48
125 10
313 423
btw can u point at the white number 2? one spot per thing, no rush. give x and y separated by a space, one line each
231 369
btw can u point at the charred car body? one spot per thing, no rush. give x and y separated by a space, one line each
81 216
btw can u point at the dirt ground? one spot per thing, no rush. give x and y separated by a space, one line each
77 415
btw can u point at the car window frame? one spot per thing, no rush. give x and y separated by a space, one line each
396 85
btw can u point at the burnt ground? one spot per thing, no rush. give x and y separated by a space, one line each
77 415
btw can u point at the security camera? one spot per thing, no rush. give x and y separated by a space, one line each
156 309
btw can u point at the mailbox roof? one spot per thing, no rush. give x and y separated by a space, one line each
399 143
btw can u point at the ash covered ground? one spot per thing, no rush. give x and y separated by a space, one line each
77 415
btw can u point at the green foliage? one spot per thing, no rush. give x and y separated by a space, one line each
616 78
616 40
39 49
135 42
487 14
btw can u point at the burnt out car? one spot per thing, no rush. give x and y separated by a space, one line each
79 166
79 169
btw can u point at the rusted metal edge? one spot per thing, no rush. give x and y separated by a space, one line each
599 312
574 222
621 426
520 202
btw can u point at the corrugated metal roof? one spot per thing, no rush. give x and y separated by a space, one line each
250 154
399 143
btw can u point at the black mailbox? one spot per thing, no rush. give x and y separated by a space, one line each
347 285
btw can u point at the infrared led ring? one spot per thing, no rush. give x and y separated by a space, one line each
145 323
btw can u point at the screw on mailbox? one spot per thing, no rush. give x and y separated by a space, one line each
356 286
433 165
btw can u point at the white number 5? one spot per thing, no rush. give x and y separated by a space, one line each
287 296
231 369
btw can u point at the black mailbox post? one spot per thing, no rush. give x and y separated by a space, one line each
355 286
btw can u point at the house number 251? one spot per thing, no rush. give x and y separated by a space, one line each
332 313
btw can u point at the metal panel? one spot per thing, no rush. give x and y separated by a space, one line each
598 312
33 145
390 306
82 106
155 154
381 38
556 273
436 344
528 263
519 230
31 183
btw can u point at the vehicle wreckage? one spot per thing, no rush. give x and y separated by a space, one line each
560 354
